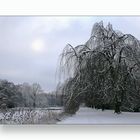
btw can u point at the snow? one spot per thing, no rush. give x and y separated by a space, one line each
92 116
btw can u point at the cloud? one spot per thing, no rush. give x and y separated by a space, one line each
19 63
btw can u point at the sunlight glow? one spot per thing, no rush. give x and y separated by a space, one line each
38 45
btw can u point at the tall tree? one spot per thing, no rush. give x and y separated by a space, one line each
104 72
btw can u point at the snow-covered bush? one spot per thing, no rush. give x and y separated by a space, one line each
29 116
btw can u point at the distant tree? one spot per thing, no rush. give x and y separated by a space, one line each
26 91
42 100
36 89
10 96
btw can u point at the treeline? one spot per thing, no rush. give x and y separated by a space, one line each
26 95
104 72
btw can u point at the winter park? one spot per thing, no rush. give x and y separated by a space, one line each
70 70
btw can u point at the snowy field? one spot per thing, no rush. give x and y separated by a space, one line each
93 116
30 115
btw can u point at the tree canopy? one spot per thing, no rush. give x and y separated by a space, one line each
104 72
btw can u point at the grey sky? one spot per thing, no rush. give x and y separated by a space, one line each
30 46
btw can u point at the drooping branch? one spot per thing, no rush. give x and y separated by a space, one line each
103 69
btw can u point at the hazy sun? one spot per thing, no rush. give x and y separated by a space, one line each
38 45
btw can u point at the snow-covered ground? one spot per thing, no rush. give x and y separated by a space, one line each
92 116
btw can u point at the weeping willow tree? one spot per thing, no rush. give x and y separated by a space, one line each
104 72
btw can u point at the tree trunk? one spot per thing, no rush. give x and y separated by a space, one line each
117 107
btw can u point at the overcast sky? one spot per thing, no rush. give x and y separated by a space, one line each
30 46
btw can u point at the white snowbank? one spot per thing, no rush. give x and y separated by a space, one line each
93 116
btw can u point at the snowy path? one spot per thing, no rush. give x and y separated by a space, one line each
92 116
